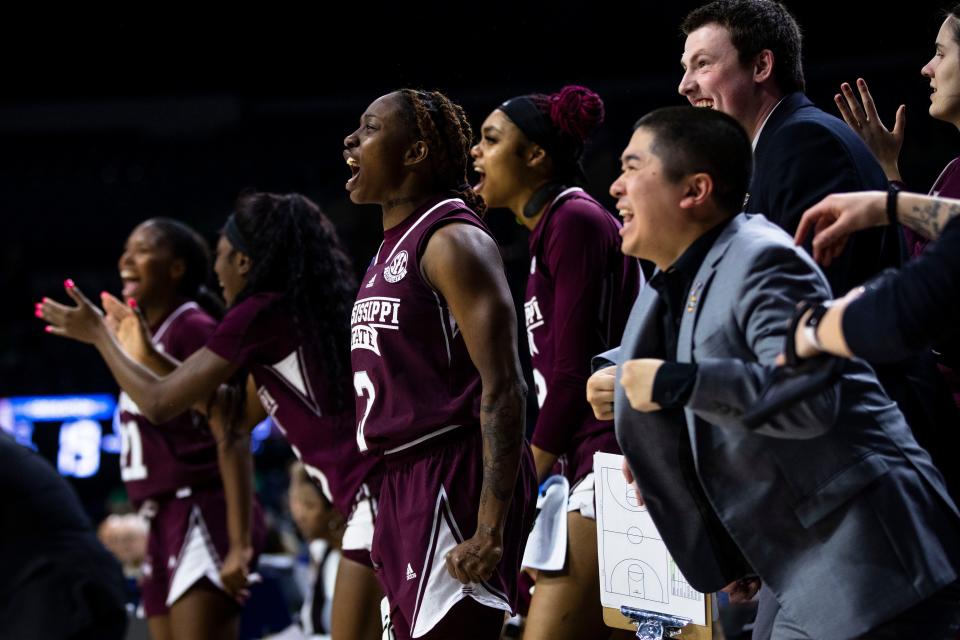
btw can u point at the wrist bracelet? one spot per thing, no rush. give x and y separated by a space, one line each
893 188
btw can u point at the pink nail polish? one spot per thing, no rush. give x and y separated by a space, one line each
132 303
68 283
48 328
38 313
103 294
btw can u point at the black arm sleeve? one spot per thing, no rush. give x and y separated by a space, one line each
907 311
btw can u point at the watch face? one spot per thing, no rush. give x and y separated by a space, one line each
817 313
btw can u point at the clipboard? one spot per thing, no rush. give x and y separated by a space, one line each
616 620
641 587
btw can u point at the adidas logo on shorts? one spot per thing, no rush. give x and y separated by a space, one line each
411 574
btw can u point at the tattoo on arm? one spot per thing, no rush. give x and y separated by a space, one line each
929 218
502 428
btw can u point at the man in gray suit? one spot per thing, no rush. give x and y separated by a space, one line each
831 503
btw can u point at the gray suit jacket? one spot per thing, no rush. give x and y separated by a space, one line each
832 503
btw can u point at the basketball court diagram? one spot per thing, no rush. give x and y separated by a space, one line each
635 567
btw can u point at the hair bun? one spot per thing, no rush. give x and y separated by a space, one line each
576 111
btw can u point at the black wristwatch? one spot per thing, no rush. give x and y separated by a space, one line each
813 323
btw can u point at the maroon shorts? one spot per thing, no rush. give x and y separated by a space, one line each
187 542
428 505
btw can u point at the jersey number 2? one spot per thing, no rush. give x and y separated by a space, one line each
364 386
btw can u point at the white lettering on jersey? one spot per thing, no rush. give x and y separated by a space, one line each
534 319
132 466
369 315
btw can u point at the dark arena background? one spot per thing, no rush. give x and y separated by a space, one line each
111 117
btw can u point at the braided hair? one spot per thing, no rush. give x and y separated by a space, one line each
295 250
187 245
443 125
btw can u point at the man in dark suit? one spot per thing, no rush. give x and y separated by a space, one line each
831 502
743 57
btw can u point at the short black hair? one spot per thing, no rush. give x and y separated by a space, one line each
755 25
696 140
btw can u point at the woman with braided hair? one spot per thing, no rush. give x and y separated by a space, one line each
579 293
288 285
440 394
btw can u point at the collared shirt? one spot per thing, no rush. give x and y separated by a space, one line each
756 136
674 381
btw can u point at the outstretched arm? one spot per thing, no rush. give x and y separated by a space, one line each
834 218
159 398
898 313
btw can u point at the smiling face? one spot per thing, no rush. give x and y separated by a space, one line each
231 267
148 269
375 152
498 158
943 70
713 76
647 201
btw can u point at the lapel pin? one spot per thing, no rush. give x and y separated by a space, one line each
694 297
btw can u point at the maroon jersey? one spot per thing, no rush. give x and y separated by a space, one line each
411 371
579 293
259 335
156 460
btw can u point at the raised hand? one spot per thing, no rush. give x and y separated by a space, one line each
83 322
864 119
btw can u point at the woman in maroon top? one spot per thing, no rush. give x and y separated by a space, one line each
170 467
440 395
288 285
579 293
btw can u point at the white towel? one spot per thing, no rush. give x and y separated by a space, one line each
547 545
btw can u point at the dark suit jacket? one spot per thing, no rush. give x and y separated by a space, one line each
803 155
832 502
